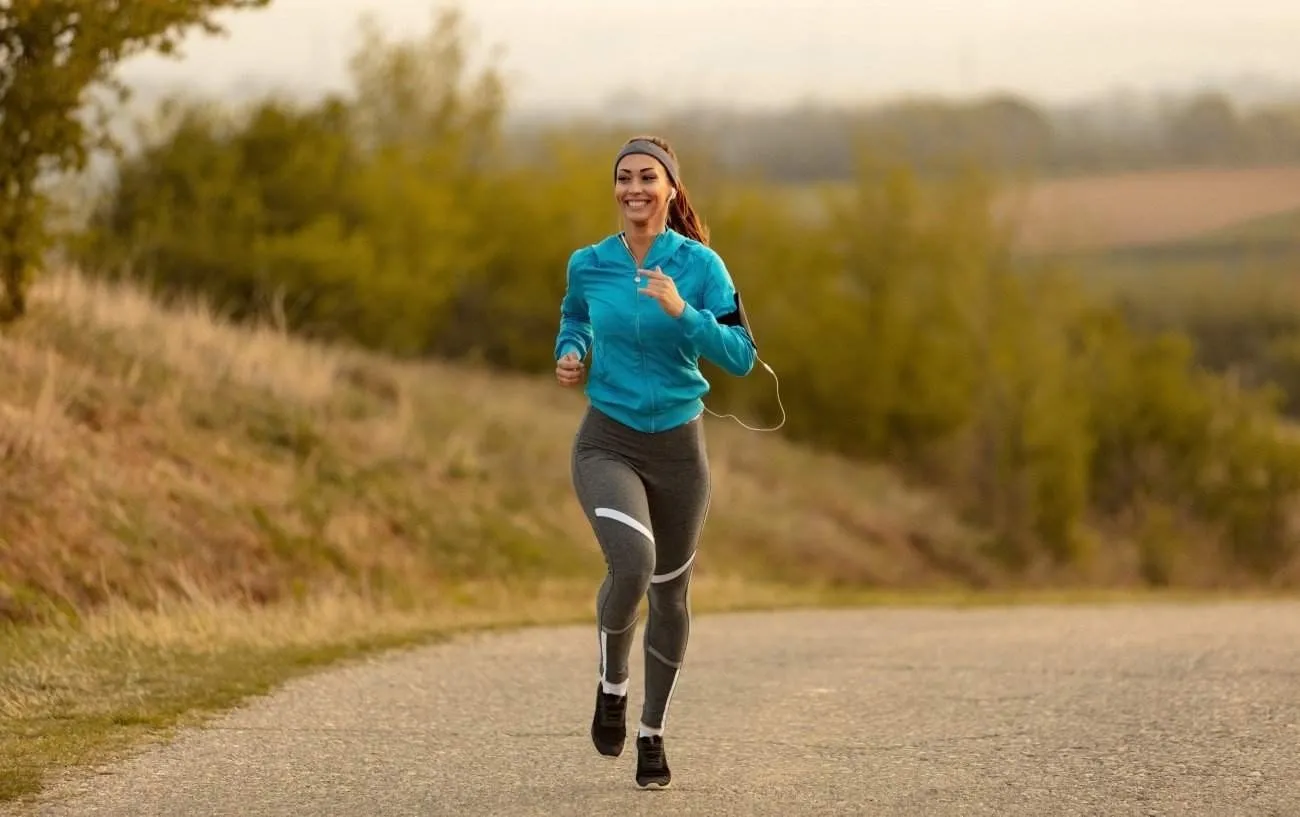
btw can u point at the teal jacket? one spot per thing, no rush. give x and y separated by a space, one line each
645 370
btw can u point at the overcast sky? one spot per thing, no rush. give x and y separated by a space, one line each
579 53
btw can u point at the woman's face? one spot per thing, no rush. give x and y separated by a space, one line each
641 190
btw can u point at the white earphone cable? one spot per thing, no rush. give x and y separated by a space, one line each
778 402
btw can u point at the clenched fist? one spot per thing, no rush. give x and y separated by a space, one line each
568 370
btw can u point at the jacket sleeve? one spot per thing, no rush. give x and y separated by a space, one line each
575 333
718 326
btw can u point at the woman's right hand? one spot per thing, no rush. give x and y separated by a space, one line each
568 370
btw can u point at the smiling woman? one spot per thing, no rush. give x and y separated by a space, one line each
648 302
646 177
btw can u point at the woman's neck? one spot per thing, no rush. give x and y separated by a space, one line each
639 239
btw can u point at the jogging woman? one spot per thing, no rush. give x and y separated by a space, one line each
647 303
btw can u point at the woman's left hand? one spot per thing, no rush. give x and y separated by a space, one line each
662 289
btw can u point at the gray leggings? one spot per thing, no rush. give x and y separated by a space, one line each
646 496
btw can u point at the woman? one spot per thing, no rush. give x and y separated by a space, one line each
647 303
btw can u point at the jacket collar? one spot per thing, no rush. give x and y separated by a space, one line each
611 250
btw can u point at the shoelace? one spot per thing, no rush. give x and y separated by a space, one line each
653 753
611 710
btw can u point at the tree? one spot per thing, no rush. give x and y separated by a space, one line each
1207 130
53 53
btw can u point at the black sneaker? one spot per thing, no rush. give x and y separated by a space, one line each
652 763
609 724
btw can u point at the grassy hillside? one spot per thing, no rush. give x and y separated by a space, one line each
160 452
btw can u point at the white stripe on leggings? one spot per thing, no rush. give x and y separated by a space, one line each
631 521
642 729
677 674
610 689
667 577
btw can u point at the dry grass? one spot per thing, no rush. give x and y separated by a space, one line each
1152 207
160 453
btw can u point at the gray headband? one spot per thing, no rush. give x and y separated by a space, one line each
646 148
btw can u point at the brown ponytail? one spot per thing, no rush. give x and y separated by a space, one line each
683 218
681 214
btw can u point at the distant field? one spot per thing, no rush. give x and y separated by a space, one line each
1265 245
1139 210
1135 209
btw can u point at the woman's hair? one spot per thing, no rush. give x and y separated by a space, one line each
681 214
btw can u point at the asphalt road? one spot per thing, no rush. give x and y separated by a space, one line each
1167 710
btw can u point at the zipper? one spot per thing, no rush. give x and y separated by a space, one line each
636 316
